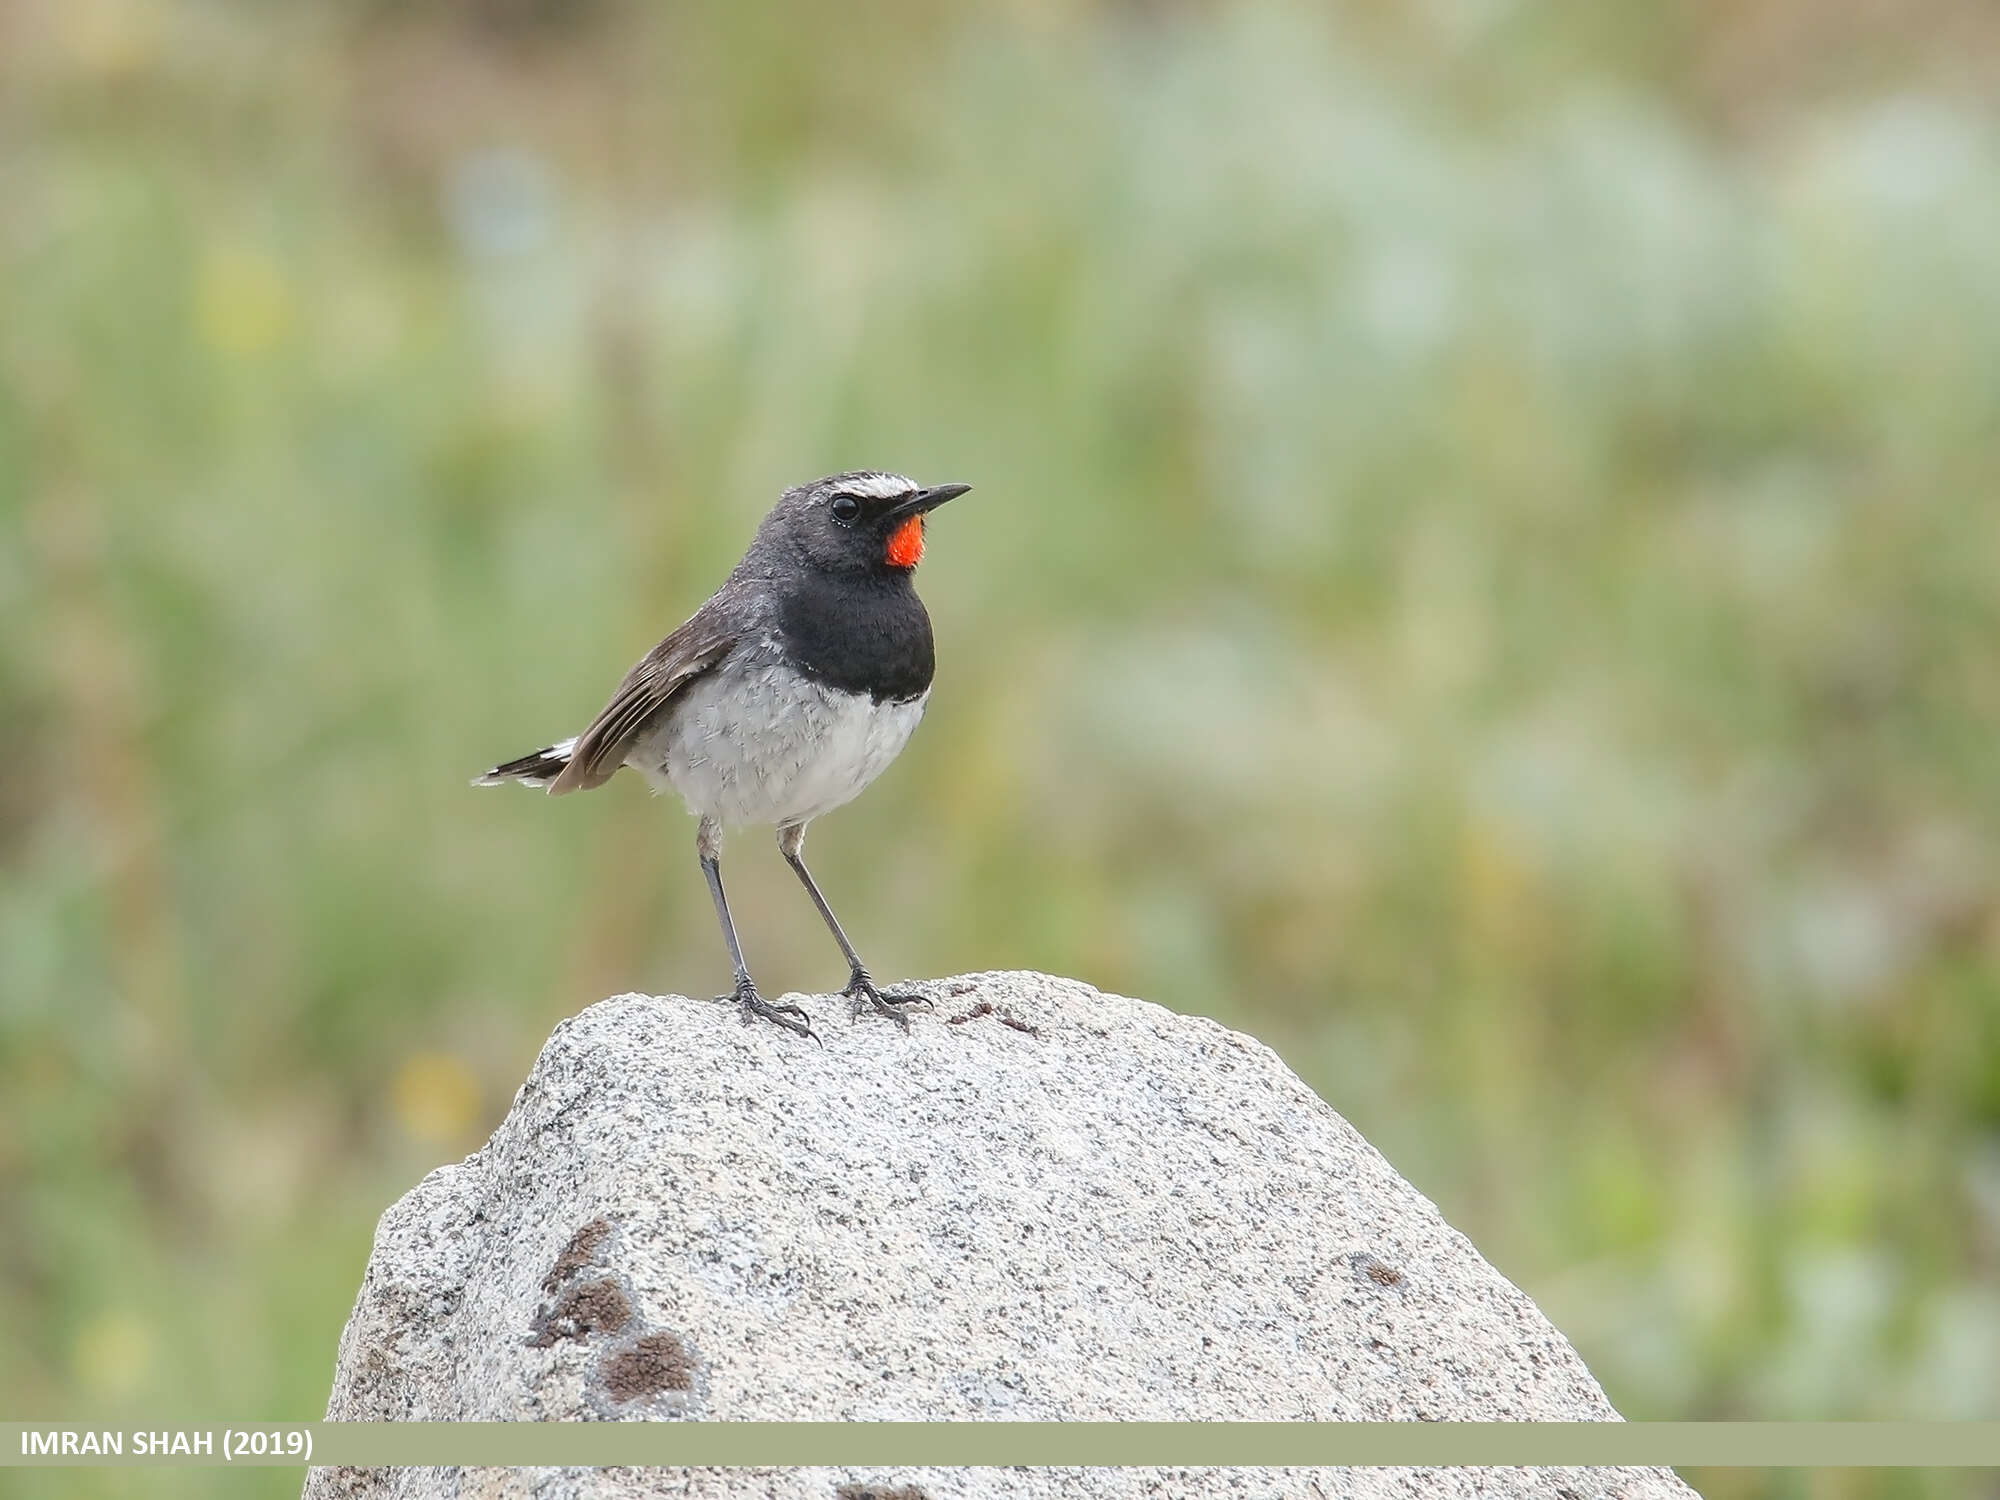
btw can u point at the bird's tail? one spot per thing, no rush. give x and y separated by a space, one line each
538 769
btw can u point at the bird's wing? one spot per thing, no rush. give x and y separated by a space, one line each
670 666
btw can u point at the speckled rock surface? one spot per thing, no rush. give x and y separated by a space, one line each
1040 1203
1008 1484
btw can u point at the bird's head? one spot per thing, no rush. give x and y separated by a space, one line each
863 521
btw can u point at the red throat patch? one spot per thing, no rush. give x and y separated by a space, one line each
906 544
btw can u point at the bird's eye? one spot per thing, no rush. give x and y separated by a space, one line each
845 508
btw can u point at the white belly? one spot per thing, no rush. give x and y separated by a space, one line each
770 746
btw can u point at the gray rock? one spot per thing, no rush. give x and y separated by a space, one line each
1040 1203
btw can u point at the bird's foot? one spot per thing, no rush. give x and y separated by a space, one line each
861 990
791 1017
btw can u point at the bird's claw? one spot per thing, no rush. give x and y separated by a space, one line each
791 1017
861 990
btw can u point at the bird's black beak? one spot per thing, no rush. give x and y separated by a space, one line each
925 501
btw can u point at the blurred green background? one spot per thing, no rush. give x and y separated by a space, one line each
1485 572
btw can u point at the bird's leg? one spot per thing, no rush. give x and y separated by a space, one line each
708 843
860 988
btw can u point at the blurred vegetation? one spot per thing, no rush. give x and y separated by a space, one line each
1482 573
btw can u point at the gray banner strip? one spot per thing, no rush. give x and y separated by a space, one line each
1120 1444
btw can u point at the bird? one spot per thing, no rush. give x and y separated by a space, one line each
780 699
